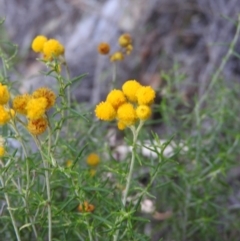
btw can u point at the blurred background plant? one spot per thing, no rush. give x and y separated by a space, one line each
187 173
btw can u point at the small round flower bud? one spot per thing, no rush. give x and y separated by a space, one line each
103 48
117 56
93 160
124 40
143 112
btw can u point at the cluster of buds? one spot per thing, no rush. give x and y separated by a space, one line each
86 207
128 105
125 43
34 107
50 48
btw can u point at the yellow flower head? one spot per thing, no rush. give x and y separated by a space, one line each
20 102
127 114
124 40
130 89
2 151
85 207
145 95
36 107
37 127
93 160
117 56
105 111
103 48
52 48
116 98
46 93
69 163
38 42
143 112
121 125
4 94
4 115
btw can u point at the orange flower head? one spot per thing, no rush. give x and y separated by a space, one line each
103 48
37 127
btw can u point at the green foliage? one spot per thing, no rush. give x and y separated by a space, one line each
187 177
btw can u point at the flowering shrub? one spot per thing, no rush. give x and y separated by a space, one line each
65 175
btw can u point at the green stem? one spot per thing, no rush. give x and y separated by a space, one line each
68 94
47 180
3 64
219 70
213 82
68 88
25 199
114 75
10 211
65 101
130 173
89 232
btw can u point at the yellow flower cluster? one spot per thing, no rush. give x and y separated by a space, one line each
34 108
49 48
128 105
126 47
5 113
